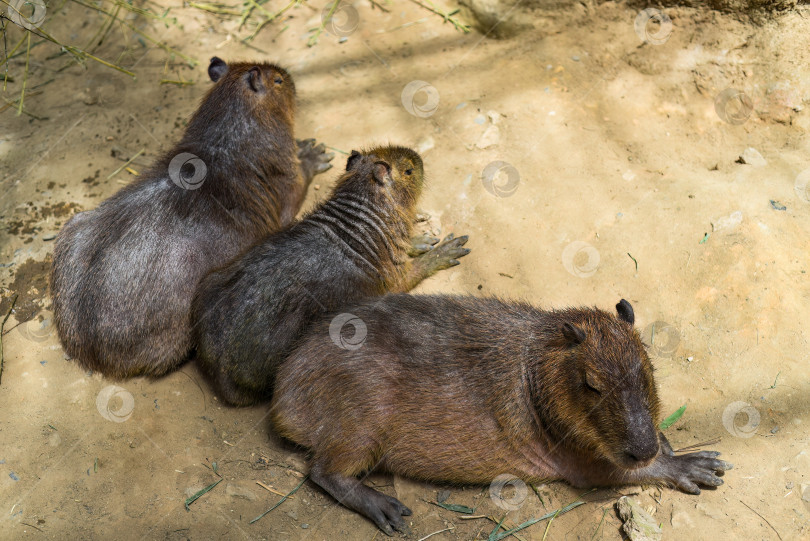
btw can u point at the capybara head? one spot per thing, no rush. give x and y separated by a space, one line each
266 90
394 173
608 403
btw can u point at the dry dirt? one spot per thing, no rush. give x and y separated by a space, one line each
621 179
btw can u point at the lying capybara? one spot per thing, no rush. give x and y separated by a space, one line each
248 314
123 275
462 390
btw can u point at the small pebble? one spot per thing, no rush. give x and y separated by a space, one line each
305 525
575 58
775 204
425 144
789 485
13 476
775 429
344 39
751 156
53 235
442 496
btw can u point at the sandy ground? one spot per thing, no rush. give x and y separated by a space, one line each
620 178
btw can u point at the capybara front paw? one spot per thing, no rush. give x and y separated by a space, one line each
387 512
688 471
421 245
314 158
446 254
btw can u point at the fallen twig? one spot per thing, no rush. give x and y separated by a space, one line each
763 518
446 15
697 445
451 528
274 491
313 39
2 326
282 500
129 161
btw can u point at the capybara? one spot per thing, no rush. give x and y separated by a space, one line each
248 314
462 389
124 274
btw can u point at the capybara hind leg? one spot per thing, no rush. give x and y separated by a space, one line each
234 394
384 511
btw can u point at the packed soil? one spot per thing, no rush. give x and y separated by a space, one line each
587 158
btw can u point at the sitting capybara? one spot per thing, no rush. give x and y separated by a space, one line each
462 390
124 274
248 314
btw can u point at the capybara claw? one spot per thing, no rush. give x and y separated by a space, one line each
446 254
314 158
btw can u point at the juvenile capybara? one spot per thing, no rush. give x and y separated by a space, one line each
248 314
462 389
124 274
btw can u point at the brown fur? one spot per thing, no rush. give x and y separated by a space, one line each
248 315
462 389
124 274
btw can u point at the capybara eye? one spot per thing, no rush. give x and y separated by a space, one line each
591 384
278 80
409 172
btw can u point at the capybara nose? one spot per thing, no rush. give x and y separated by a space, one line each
643 452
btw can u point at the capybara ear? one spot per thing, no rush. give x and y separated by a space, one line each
625 311
353 161
217 68
254 76
382 172
573 334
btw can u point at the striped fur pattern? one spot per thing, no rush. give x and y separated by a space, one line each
249 314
